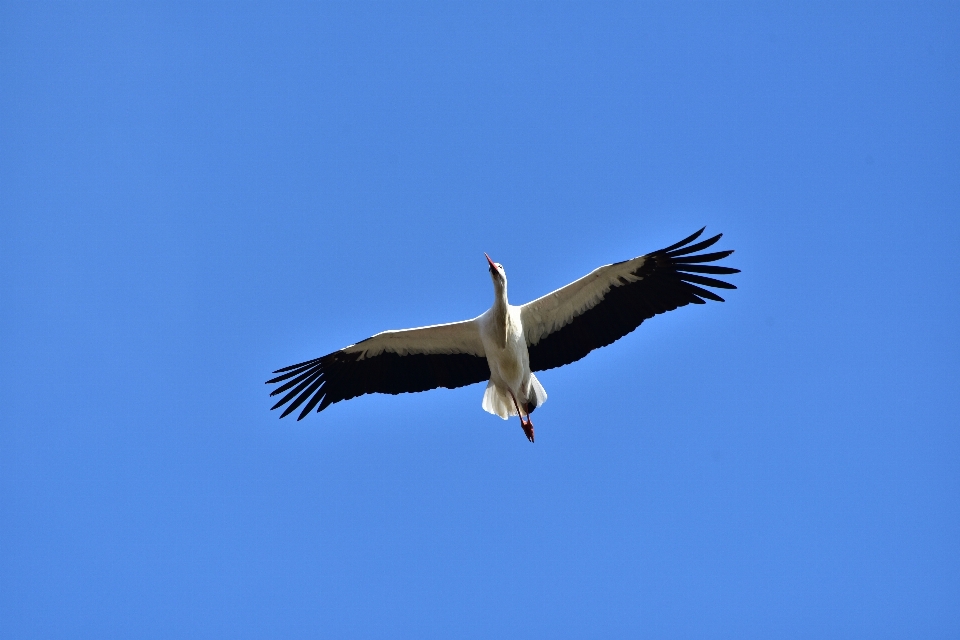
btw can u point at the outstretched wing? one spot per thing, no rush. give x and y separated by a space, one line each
607 304
405 361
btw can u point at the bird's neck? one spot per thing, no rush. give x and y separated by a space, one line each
500 305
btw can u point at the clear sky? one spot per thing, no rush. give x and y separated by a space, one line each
193 195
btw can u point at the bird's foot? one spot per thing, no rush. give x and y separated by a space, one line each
526 424
527 428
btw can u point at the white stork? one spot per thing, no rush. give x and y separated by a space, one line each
507 344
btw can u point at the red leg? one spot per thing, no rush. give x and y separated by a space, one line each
526 426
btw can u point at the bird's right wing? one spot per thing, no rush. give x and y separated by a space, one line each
404 361
607 304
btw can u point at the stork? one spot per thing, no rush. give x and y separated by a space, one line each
507 344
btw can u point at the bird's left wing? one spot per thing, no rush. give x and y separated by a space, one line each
404 361
607 304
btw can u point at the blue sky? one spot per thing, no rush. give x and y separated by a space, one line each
193 195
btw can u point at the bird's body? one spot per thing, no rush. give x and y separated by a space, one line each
507 343
512 385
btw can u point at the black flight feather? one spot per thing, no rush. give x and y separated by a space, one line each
341 376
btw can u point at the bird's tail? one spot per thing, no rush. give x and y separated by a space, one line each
498 401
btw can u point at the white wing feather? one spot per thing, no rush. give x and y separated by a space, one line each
547 314
453 337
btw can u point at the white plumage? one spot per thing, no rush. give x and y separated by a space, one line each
507 343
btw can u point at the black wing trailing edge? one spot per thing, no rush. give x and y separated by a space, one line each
341 376
670 278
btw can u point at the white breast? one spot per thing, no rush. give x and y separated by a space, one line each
506 348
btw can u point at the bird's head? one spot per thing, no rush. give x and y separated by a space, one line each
497 273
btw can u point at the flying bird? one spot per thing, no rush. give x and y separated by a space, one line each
507 344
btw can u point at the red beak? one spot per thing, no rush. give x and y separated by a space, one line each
492 266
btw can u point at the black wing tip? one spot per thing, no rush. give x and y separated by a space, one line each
683 242
684 255
296 366
683 246
703 293
305 377
692 248
288 411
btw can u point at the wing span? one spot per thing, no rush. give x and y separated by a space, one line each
607 304
405 361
